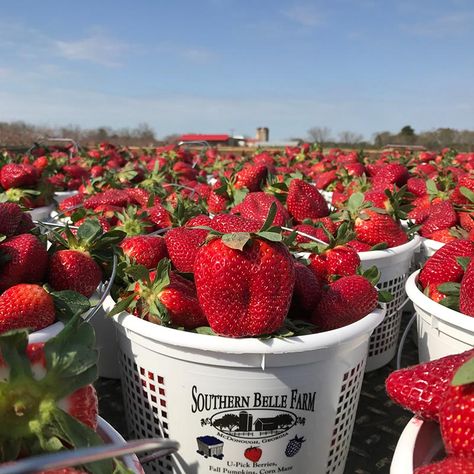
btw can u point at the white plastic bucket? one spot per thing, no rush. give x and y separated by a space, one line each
60 196
41 213
441 331
428 248
45 334
420 443
293 400
394 265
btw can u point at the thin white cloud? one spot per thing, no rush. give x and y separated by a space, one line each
305 15
96 48
450 24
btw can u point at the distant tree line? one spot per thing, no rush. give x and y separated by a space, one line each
23 134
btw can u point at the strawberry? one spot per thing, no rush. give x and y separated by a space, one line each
304 201
456 412
466 220
392 173
443 235
457 197
14 175
159 216
37 381
217 200
421 388
227 223
114 197
443 266
182 244
64 470
134 221
244 291
10 218
23 259
74 270
344 302
441 216
68 205
256 205
162 297
451 465
251 177
308 229
374 228
26 306
146 250
140 196
466 294
359 246
199 220
417 187
306 293
340 260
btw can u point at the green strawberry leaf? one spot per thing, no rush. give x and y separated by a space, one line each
120 468
380 246
467 193
272 236
89 231
270 217
76 434
451 302
431 187
69 303
372 274
236 240
12 347
122 305
239 195
385 296
205 330
465 374
464 262
450 288
138 273
355 201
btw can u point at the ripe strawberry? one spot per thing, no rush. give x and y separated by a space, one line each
304 201
74 270
457 197
64 470
139 196
421 388
25 225
441 216
114 197
340 260
26 306
227 223
10 218
306 293
23 259
421 209
13 175
443 266
244 292
417 187
443 235
217 201
146 250
36 381
392 173
199 220
316 232
466 219
451 465
374 228
256 206
182 244
345 301
359 246
251 177
71 203
466 295
159 216
75 172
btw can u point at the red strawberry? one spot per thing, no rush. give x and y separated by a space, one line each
83 405
146 250
199 220
10 218
345 301
304 201
451 465
443 266
256 206
306 293
466 295
466 219
23 259
159 216
421 209
340 260
14 175
114 197
443 235
244 292
227 223
26 306
457 197
359 246
74 270
182 244
217 202
76 172
441 216
417 187
374 228
251 177
71 203
64 470
316 232
392 173
139 196
421 388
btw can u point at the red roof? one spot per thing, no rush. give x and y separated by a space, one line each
196 137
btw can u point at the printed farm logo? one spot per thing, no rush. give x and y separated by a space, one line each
253 418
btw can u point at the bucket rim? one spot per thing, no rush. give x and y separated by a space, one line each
431 244
208 343
443 313
411 246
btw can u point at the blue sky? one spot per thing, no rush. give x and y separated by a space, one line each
220 65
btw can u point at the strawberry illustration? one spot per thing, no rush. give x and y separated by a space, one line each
244 284
254 453
293 446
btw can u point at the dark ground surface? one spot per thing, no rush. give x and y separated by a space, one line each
379 422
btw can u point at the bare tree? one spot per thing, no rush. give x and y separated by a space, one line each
350 138
319 134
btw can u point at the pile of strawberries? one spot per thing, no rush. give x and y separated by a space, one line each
441 390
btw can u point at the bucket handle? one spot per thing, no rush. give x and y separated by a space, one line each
65 459
403 339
